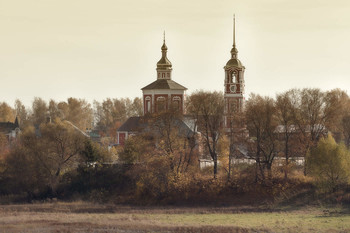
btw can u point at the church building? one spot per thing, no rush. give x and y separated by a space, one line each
165 94
162 95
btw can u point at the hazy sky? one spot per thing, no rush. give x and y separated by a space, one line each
98 49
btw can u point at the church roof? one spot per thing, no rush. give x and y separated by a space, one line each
133 124
184 126
164 84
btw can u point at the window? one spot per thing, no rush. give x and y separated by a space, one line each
148 104
176 103
161 104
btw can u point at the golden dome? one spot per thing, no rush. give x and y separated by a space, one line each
234 62
164 63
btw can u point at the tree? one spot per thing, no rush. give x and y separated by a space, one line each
208 109
285 108
21 112
174 139
337 106
260 115
312 116
56 150
111 113
77 111
237 135
39 111
329 163
94 153
346 129
6 113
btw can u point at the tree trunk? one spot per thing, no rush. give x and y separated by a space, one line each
215 167
269 170
286 153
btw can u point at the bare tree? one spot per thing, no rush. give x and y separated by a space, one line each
175 139
285 108
261 122
208 109
56 149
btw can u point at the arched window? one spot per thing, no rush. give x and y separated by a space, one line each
161 104
176 103
148 104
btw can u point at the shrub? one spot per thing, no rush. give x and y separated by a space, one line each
329 164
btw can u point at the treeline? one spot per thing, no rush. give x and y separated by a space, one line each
160 164
105 116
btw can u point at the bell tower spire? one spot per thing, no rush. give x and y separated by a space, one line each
234 50
234 81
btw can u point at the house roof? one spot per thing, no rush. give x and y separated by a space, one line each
164 84
131 125
7 127
136 124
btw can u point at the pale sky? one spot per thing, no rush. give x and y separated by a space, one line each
98 49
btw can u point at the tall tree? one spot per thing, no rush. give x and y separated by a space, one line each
285 108
39 111
208 109
6 113
109 114
21 112
57 149
260 115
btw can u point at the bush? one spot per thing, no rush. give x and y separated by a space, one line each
329 164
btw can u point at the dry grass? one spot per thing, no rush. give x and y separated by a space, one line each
87 217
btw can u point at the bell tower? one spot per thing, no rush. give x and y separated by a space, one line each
234 82
164 94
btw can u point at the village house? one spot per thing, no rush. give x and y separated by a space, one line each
10 130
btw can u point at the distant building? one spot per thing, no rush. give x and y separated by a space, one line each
233 83
10 130
162 95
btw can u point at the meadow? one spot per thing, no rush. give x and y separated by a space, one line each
90 217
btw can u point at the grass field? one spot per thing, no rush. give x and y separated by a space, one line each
87 217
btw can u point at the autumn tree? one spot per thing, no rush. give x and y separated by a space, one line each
311 115
285 108
346 130
6 113
175 139
337 106
56 149
236 133
260 115
21 112
329 163
111 113
208 109
39 111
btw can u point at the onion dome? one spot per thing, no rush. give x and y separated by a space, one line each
164 63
